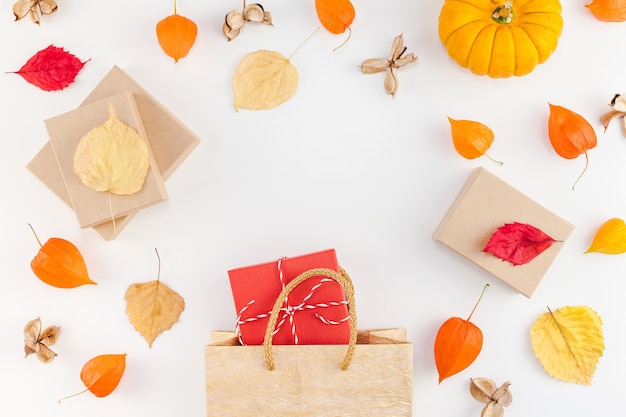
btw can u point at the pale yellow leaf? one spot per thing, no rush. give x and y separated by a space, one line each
152 307
264 80
569 343
112 158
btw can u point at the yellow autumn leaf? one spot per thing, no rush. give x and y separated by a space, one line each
569 343
152 307
264 80
113 158
610 238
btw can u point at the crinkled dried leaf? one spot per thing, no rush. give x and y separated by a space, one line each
264 80
396 60
33 8
569 343
112 158
518 243
610 238
38 341
153 307
618 109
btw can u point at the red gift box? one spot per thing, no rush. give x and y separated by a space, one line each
315 312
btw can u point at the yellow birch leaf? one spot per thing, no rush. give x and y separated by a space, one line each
569 343
112 158
264 80
610 238
152 308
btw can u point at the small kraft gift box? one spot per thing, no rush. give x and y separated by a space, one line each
314 313
486 203
371 375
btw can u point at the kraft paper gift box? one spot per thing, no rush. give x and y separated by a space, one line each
371 375
171 142
315 313
66 131
486 203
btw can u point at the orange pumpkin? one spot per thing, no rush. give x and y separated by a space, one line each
500 38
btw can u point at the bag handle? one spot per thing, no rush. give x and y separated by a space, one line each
342 278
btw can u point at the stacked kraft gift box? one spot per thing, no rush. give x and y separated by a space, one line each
168 140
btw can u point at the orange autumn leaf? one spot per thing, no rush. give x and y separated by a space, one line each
610 238
335 15
59 263
570 135
471 139
608 10
457 344
176 35
102 374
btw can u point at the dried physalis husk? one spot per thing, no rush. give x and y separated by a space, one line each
38 342
234 20
618 109
33 8
396 60
495 398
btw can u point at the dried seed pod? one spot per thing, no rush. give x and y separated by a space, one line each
486 391
255 13
374 65
391 65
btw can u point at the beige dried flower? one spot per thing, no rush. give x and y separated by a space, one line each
396 60
38 342
234 20
486 391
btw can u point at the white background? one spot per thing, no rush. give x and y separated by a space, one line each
341 165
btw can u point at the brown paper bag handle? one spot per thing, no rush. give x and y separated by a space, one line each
342 278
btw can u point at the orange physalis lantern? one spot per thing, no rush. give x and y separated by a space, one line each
570 134
102 374
457 344
176 35
335 15
60 264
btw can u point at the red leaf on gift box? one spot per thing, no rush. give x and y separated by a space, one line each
51 69
518 243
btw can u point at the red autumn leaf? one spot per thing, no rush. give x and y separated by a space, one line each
518 243
51 69
457 344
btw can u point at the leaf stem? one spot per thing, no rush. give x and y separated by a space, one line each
159 264
479 298
302 43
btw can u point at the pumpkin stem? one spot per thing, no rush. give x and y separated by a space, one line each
504 13
174 6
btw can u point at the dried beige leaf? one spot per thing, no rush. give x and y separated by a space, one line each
112 158
264 80
396 60
37 341
152 308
